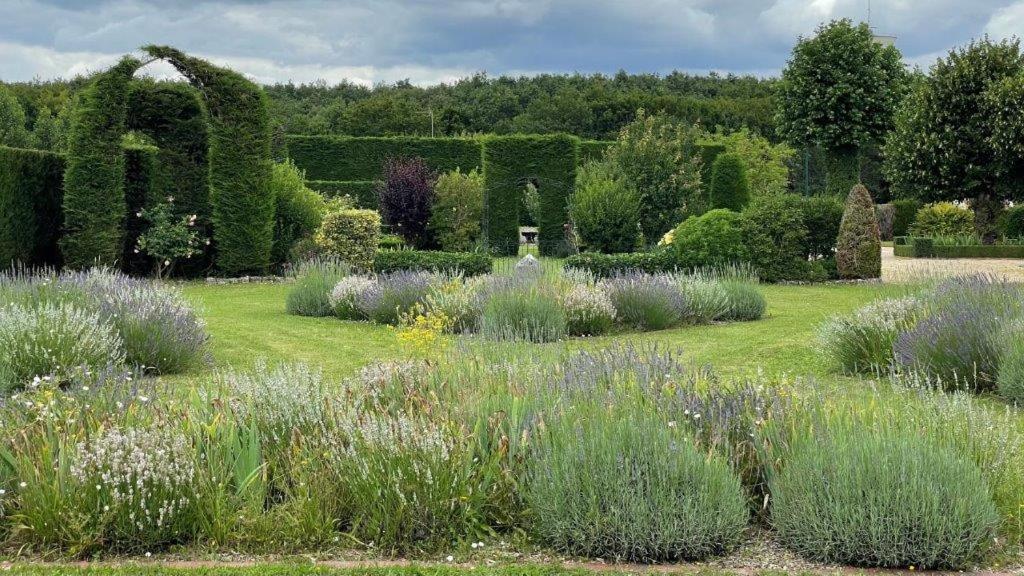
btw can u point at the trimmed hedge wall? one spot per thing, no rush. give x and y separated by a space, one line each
510 162
607 265
592 149
914 247
347 158
31 192
469 263
363 192
94 206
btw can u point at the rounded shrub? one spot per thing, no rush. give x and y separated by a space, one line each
53 339
892 500
350 235
744 301
645 301
943 220
776 237
632 488
712 239
730 188
1012 222
859 246
605 210
314 281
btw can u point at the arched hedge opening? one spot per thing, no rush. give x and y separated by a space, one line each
242 203
216 164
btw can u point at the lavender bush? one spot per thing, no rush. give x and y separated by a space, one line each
394 293
53 340
161 332
645 301
959 342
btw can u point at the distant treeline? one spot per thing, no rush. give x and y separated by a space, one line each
589 106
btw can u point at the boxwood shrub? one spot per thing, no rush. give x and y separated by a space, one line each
468 263
351 235
608 265
712 239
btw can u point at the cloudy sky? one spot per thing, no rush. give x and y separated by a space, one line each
429 41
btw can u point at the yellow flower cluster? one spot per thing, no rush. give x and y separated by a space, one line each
667 238
422 333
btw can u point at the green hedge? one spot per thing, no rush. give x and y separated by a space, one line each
914 247
363 192
143 188
510 162
241 199
346 158
469 263
31 191
94 206
607 265
592 149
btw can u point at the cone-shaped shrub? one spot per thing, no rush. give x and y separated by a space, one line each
859 246
730 187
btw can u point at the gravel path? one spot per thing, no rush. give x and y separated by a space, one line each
896 269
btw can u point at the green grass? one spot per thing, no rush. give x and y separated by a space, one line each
248 322
311 570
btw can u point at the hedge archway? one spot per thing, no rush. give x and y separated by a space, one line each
240 162
239 158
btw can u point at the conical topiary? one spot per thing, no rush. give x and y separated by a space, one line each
730 187
859 246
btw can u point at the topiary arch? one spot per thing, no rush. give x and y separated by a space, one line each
241 201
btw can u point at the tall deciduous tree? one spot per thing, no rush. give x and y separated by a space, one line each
12 121
956 137
839 91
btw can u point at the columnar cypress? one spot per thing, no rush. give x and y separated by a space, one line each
730 187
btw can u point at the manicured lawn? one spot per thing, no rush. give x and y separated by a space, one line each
248 323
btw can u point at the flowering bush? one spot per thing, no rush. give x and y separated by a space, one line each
393 294
588 310
54 340
646 301
161 332
863 341
136 485
314 281
346 293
